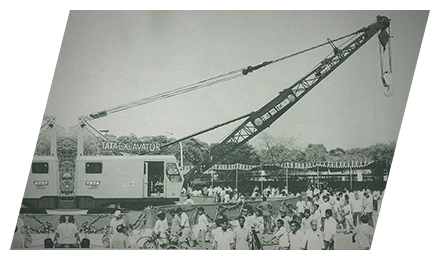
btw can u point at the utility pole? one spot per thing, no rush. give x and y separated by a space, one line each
261 178
351 178
317 175
236 177
212 179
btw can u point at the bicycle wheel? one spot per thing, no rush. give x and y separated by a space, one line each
185 245
149 245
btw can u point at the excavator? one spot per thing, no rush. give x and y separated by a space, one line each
95 181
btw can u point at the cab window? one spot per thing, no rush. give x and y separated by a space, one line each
40 168
93 168
173 173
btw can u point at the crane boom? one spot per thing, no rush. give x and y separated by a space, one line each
269 113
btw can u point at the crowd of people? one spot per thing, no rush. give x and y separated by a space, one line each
66 235
309 224
221 194
225 194
318 215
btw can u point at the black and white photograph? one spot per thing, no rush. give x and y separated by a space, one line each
219 130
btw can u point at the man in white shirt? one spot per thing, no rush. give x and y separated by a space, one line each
222 194
184 225
285 191
175 223
114 223
281 235
317 215
119 239
296 236
376 197
217 189
309 193
330 226
379 201
356 208
241 235
249 217
160 229
210 191
66 235
305 221
368 208
223 238
316 192
363 234
313 237
347 216
337 210
267 191
226 197
286 219
273 192
300 205
323 208
203 226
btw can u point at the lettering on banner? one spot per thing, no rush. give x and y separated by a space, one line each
273 111
121 146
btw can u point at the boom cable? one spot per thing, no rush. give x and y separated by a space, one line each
204 83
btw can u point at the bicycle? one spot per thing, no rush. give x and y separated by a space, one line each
152 242
175 243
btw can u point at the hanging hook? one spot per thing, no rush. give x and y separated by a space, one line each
386 81
386 73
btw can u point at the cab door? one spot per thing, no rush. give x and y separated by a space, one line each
153 179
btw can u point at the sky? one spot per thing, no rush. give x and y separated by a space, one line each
109 58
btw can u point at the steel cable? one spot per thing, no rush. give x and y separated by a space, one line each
204 83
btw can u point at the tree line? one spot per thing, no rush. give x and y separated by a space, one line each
270 150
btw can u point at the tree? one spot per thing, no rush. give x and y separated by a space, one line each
245 154
300 156
277 155
193 151
338 152
356 154
277 150
382 152
316 153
